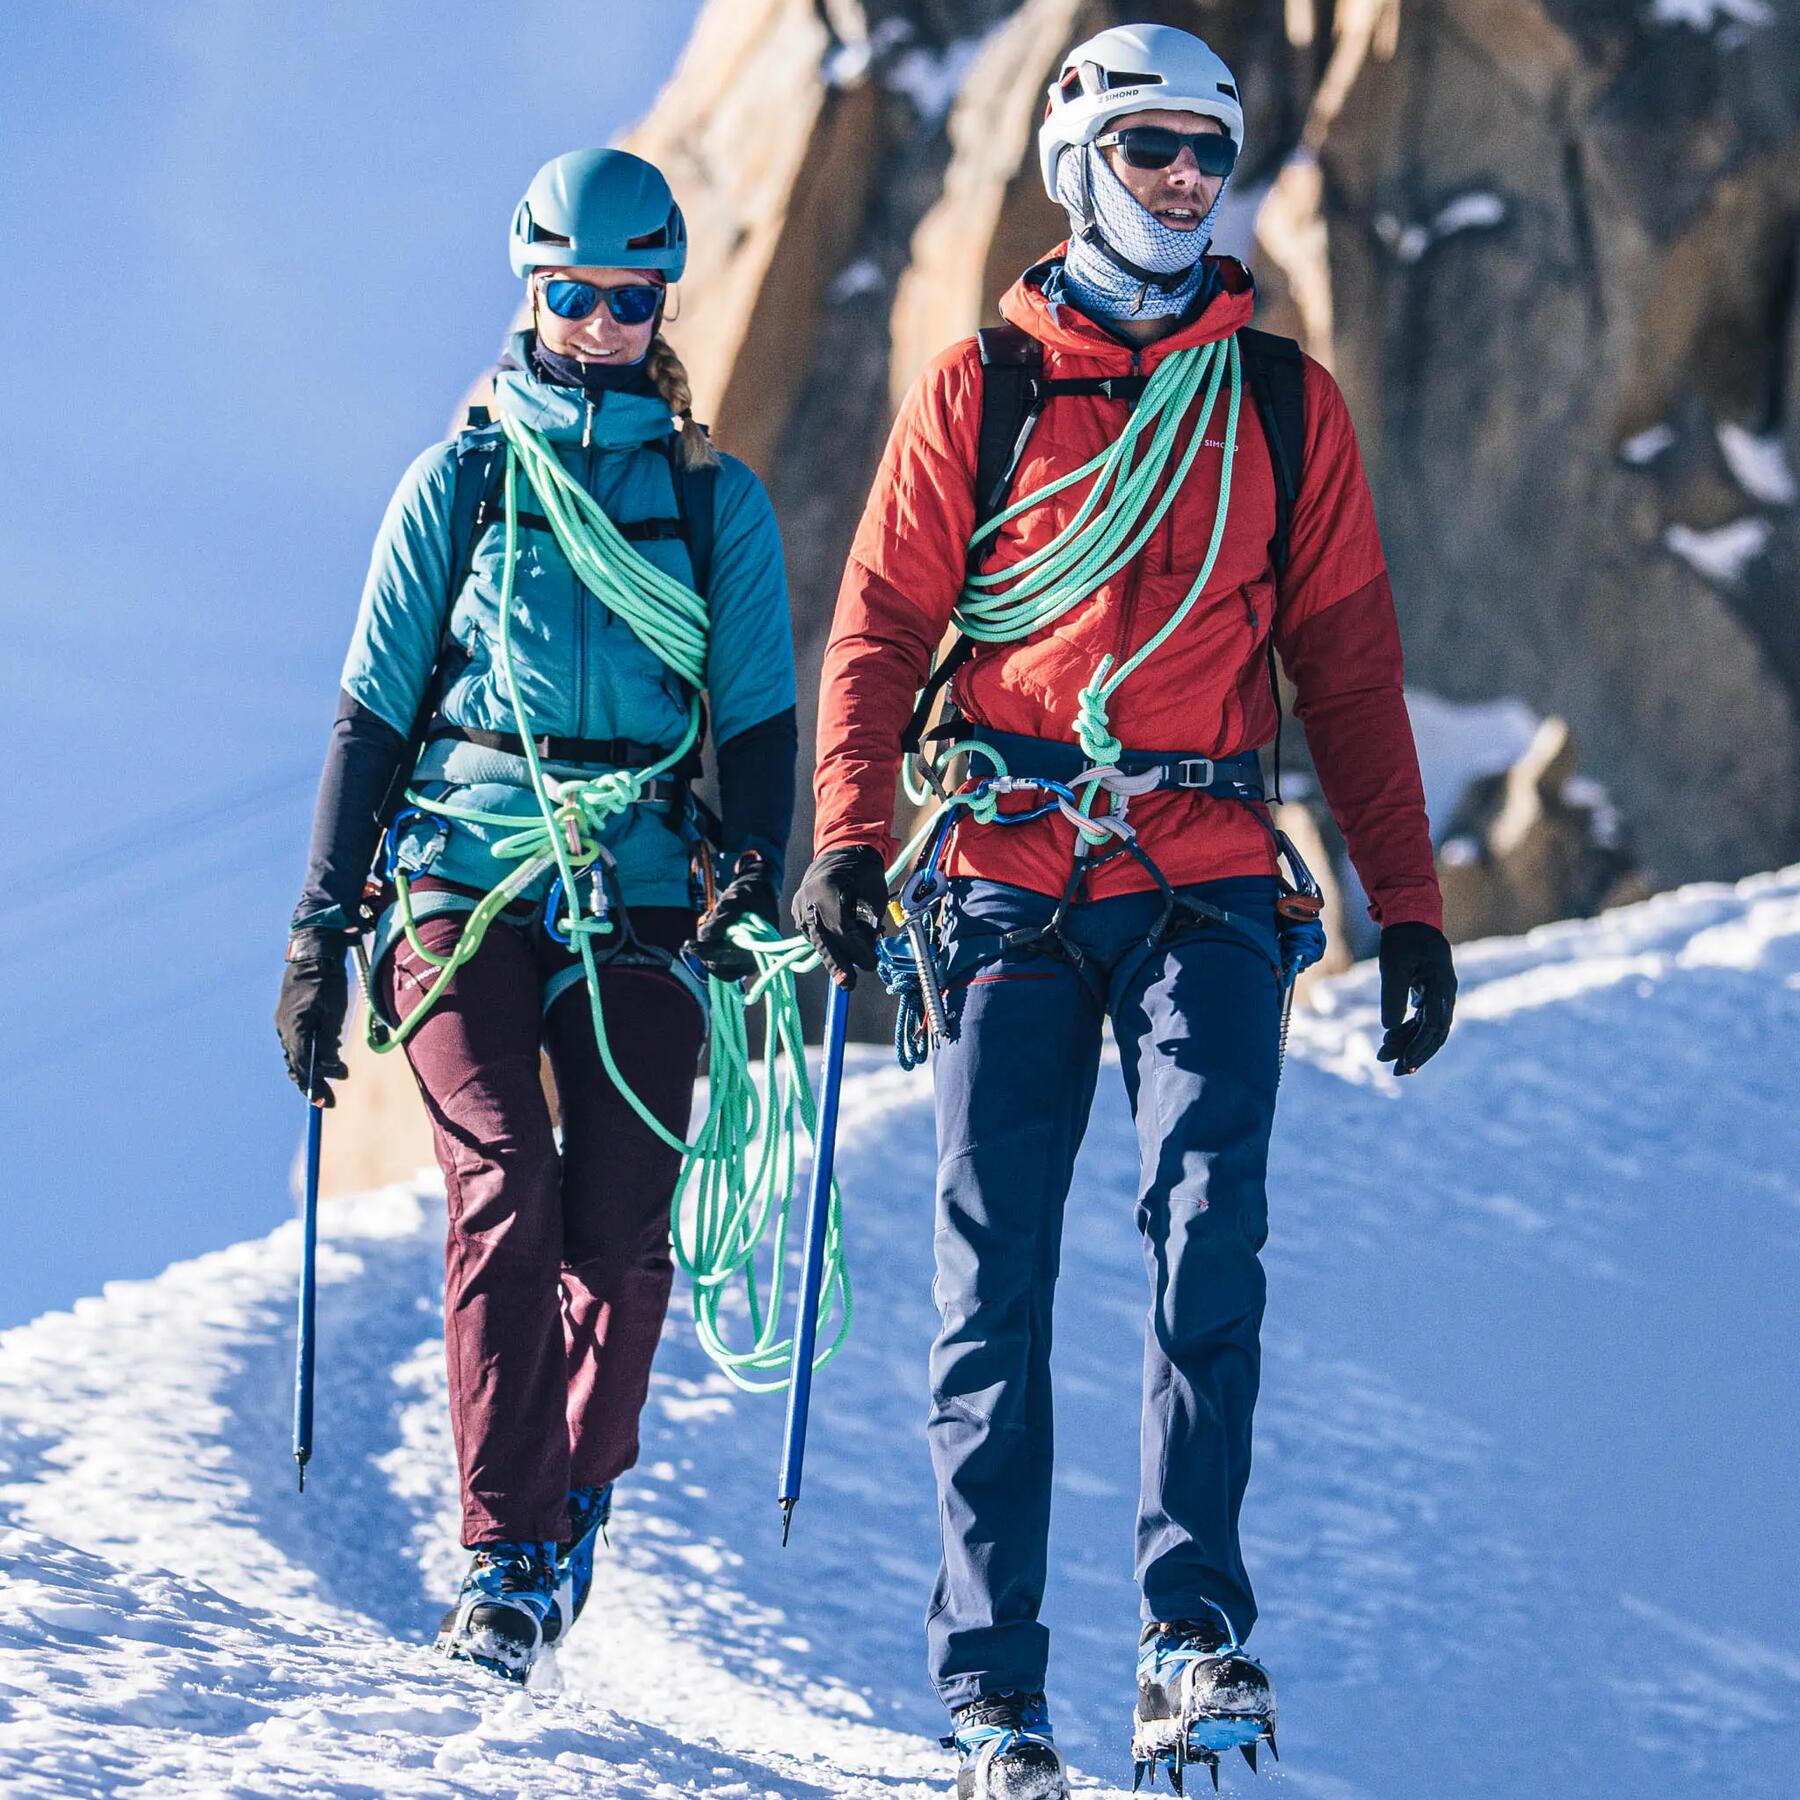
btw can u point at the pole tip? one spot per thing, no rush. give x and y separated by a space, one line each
787 1520
301 1462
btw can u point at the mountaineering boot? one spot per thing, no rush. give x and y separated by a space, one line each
506 1611
1007 1750
590 1509
1198 1695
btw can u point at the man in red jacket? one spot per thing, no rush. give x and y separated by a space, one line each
1132 669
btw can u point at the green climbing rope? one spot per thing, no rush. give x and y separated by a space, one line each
1132 488
735 1193
1112 524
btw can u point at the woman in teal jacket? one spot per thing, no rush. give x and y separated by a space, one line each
557 1266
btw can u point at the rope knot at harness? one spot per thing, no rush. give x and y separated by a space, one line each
1092 727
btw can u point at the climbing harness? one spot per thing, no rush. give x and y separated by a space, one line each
738 1176
1132 484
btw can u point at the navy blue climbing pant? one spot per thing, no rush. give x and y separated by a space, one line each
1197 1021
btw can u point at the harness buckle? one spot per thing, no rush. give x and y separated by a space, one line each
1195 772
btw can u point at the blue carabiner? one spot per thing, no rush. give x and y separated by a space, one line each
391 855
1063 792
550 903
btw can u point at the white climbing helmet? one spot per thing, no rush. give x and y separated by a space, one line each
1134 68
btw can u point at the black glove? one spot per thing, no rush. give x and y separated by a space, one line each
750 894
839 905
309 1016
1415 964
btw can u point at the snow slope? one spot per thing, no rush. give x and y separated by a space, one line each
1523 1517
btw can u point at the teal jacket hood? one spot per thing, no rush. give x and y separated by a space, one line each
614 420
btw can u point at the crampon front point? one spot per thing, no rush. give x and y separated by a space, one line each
1199 1698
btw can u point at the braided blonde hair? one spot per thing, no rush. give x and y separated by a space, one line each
670 379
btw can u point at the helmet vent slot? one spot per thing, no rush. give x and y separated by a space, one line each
1116 78
540 236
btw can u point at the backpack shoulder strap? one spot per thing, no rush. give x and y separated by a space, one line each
475 496
1012 396
1278 381
1277 373
696 496
1012 381
475 491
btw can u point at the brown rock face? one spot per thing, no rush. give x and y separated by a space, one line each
1534 844
1550 248
1554 228
1524 233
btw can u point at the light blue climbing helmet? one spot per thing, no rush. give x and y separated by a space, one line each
603 209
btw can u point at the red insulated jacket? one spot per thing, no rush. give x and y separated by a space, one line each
1204 691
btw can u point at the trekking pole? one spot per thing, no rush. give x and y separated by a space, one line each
309 1229
818 1213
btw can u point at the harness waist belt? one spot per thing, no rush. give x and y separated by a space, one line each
617 753
1236 777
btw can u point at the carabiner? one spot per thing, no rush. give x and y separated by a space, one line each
1305 899
391 841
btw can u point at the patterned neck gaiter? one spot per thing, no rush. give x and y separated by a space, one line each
1092 281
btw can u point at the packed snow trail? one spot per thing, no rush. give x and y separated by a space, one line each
1521 1519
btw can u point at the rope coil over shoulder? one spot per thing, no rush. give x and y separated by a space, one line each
738 1177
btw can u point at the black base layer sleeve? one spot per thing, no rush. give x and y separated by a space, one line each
756 789
363 765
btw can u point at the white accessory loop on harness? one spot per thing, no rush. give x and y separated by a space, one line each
1115 781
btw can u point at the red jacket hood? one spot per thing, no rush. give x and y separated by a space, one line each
1062 328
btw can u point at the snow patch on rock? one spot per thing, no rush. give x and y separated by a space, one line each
1461 741
1477 210
1703 15
930 79
860 277
1647 446
1723 554
1758 464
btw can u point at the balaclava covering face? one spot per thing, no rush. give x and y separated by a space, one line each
1092 280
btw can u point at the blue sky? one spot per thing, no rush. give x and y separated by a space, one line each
251 252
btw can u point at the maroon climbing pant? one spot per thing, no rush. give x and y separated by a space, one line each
556 1267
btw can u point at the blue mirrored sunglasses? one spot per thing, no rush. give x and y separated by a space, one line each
634 305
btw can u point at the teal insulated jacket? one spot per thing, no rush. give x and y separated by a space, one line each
581 672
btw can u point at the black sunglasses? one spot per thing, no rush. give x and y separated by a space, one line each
1156 146
634 305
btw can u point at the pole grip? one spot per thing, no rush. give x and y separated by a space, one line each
818 1213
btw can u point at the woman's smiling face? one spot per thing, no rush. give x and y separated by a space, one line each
599 337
